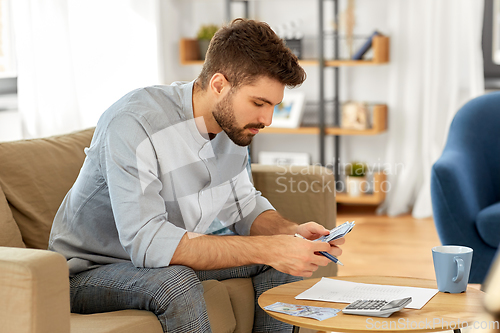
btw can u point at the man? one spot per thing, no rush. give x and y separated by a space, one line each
164 162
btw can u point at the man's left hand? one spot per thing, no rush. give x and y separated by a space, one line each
313 230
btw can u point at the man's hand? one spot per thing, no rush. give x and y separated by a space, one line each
272 243
301 257
312 230
294 255
286 253
297 256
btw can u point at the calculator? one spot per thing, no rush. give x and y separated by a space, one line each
376 308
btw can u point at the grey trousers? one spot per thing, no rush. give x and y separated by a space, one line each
174 294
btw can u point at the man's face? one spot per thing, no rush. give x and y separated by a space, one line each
243 112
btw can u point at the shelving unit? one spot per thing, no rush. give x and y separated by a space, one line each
375 198
380 46
379 126
189 55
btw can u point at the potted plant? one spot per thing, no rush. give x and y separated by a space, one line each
356 178
204 36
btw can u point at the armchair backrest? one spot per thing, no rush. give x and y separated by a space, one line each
465 181
476 130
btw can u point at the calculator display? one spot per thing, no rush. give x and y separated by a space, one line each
393 304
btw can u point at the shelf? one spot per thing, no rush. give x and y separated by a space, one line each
189 52
379 120
379 124
282 130
376 198
189 55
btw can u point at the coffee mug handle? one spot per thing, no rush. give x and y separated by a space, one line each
460 269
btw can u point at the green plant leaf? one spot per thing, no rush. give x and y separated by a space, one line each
207 31
356 169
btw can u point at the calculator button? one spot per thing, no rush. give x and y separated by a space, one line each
368 305
353 305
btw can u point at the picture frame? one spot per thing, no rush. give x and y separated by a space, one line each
355 115
284 158
288 113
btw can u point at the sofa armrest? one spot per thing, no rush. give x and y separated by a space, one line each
300 194
34 291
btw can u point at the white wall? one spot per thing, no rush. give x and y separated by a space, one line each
179 19
182 19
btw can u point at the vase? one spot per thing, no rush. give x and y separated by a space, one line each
356 186
203 46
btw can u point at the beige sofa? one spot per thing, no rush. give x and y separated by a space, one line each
36 174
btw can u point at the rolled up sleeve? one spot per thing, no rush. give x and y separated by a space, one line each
129 163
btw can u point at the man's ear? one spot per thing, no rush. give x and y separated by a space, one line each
219 85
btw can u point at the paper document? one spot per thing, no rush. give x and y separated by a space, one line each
331 290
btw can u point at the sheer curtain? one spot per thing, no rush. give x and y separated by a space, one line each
75 58
436 66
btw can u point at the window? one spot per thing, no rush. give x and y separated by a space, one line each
8 74
491 44
7 55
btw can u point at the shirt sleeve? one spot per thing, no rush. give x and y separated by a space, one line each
245 203
130 168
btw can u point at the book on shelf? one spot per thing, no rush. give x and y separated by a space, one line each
365 47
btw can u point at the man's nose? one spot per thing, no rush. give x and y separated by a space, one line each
266 116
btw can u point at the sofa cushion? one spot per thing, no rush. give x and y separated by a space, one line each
488 224
9 231
219 309
125 321
217 300
36 175
242 297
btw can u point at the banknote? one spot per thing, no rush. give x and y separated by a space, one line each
313 312
337 232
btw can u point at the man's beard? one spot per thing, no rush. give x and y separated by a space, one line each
224 115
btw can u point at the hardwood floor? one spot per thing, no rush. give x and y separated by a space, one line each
390 246
382 245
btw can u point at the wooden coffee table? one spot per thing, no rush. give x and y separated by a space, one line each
443 312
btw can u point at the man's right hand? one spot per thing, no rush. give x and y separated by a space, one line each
297 256
286 253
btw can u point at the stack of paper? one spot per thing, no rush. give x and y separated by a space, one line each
333 290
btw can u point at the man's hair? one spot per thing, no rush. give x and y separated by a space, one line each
245 50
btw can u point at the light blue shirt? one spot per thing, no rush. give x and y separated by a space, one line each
148 177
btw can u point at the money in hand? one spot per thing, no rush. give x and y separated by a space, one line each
337 232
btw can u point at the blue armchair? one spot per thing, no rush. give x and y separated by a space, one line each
465 183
